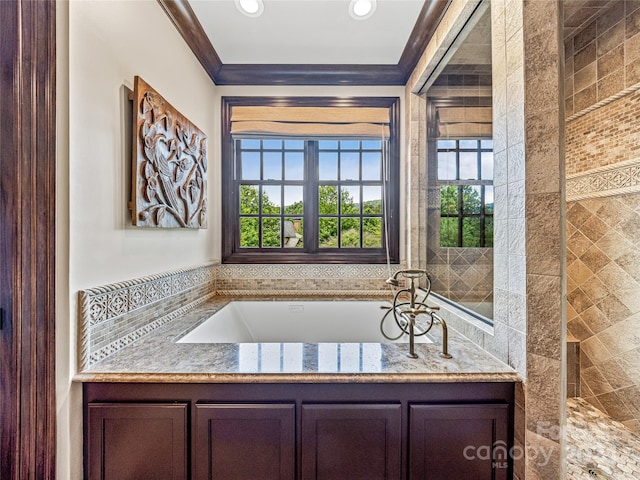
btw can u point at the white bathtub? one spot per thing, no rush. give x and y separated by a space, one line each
298 322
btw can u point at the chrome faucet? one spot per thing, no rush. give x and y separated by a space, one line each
408 311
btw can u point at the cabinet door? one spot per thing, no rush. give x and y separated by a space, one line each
136 440
355 442
245 442
458 441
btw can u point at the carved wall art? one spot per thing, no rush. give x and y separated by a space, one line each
169 164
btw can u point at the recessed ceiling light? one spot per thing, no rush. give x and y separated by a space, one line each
361 9
251 8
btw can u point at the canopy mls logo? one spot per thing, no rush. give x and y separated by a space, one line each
499 454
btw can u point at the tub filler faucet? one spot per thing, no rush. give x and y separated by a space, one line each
405 313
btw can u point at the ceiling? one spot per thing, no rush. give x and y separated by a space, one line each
306 42
308 31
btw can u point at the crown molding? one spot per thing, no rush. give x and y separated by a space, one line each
184 19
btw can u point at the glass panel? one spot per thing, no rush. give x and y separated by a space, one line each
293 199
470 232
350 232
349 145
293 233
350 200
247 143
294 144
448 232
248 232
372 200
446 144
371 165
486 144
488 232
488 199
271 232
486 164
271 198
468 166
328 144
372 232
371 145
250 162
328 200
328 232
328 168
249 199
272 163
471 199
272 144
446 165
349 166
449 200
469 144
294 166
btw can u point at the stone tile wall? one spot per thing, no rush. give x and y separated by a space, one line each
529 252
603 181
603 285
603 58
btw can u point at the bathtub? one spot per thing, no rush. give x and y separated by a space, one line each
351 321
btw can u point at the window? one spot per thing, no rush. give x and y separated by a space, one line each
301 198
465 177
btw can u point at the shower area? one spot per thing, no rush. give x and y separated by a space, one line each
602 92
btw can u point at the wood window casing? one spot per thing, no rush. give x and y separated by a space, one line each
231 251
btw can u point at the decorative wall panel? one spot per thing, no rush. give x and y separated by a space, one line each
169 164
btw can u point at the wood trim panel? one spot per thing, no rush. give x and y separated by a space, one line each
187 24
27 239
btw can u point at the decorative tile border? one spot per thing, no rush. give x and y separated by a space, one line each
132 298
308 293
140 332
606 101
111 301
315 272
617 179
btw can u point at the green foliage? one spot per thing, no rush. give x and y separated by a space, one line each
328 226
471 204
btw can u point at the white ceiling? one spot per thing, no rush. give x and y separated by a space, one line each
308 32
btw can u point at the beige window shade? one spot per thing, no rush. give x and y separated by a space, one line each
365 122
465 122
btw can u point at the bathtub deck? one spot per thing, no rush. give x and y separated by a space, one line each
157 357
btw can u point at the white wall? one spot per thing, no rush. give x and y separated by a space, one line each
109 42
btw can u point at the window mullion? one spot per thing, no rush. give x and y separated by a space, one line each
311 196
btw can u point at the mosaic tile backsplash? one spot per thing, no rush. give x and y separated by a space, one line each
114 316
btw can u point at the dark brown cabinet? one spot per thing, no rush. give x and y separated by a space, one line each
136 440
357 441
245 441
313 431
458 441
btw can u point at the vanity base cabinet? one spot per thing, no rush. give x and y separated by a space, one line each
458 441
298 431
130 441
359 441
245 441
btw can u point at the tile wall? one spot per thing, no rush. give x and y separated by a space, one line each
603 58
603 209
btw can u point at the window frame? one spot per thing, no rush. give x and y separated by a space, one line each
231 251
460 184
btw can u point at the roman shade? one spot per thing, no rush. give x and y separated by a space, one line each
464 122
310 122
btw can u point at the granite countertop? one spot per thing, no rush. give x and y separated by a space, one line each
157 358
